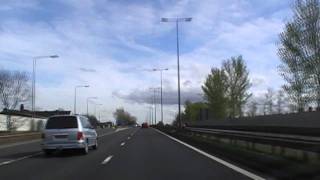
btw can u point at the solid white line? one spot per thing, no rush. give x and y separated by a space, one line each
122 144
19 159
106 160
105 134
229 165
19 143
121 129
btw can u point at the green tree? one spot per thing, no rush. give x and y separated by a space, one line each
192 110
299 52
237 83
124 118
215 89
93 120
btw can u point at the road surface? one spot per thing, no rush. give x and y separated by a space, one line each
132 153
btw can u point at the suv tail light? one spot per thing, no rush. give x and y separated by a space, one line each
80 136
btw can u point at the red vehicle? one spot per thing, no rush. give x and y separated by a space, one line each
145 125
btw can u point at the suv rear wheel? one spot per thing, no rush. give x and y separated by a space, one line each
95 146
85 150
47 152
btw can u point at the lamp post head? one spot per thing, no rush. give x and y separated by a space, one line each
188 19
92 97
164 19
54 56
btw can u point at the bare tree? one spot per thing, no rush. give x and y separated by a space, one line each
280 101
253 108
269 96
14 89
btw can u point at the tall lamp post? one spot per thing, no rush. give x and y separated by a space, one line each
177 21
33 89
75 96
95 108
155 103
88 98
161 70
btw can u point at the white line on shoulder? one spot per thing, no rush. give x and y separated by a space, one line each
225 163
19 159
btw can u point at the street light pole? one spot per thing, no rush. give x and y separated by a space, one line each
95 109
154 103
88 98
75 97
33 89
177 20
151 111
161 102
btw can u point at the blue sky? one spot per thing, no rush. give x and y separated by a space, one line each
118 40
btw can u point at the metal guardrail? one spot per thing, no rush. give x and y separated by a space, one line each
309 143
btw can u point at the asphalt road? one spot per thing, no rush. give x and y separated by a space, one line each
133 153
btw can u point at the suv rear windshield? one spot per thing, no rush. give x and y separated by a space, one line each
63 122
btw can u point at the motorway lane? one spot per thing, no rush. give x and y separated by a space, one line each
22 150
150 155
144 154
68 165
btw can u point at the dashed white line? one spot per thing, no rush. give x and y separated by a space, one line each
19 159
227 164
122 144
106 160
129 137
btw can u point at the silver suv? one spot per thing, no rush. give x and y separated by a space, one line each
68 132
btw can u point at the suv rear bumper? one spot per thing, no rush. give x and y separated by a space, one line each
54 146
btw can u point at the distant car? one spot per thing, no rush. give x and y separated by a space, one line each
68 132
145 125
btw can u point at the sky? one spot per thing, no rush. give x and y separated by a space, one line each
112 45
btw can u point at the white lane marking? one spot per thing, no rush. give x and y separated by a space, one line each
229 165
122 144
129 138
19 159
121 129
108 133
106 160
105 134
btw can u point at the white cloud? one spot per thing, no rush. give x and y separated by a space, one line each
110 38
